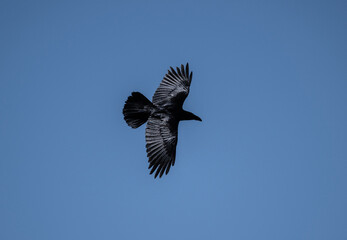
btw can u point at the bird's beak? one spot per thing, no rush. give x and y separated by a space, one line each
198 119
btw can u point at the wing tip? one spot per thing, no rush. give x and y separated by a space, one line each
183 72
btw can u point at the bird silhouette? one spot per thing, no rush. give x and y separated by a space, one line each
162 116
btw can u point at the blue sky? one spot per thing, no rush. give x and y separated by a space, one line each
268 161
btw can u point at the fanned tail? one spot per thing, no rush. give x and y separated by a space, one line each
137 110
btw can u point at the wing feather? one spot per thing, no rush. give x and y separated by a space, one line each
161 138
174 88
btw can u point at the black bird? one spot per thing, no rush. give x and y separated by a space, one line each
162 116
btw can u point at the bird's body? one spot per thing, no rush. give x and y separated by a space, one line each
163 115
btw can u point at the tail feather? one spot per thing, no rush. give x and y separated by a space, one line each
137 109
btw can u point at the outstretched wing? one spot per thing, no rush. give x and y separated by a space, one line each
161 138
174 88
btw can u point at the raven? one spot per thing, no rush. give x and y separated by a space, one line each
162 116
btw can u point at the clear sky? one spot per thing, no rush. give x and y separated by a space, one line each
269 160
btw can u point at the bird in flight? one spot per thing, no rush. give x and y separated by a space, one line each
162 116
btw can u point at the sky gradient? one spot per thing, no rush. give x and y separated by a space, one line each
268 161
